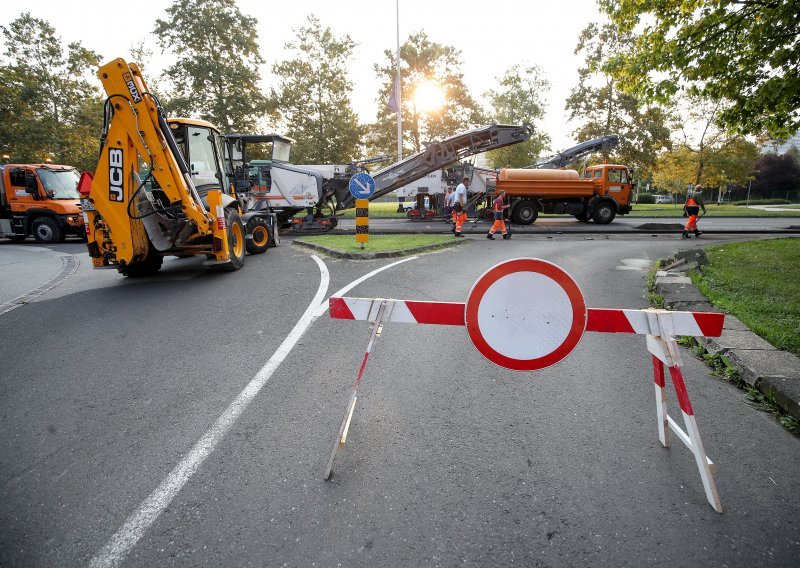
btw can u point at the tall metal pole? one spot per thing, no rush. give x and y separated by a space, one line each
399 98
749 185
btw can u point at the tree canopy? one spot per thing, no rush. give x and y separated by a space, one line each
745 52
313 99
50 108
421 61
216 73
776 175
519 98
602 107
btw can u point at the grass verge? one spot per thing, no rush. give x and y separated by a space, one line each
723 368
759 283
388 210
379 243
654 297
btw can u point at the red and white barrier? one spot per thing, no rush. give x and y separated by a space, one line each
527 314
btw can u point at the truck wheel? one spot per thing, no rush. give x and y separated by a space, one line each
604 213
236 241
146 267
259 235
46 230
526 213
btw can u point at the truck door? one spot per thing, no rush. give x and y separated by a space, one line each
619 185
23 188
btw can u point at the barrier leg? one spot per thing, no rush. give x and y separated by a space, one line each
661 401
341 436
696 444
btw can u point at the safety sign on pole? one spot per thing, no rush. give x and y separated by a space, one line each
526 314
362 221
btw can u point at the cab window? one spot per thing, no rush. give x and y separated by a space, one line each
615 176
598 174
17 178
202 158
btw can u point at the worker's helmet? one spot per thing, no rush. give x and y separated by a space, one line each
698 189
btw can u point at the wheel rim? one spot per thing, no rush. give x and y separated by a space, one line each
525 213
260 236
604 213
237 242
44 232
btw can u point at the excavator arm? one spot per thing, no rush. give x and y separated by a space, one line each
566 157
129 216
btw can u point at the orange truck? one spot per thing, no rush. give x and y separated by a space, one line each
40 200
601 194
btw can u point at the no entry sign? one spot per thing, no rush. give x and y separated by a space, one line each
525 314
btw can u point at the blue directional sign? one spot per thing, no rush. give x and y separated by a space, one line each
362 186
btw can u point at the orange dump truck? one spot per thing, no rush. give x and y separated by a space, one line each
601 194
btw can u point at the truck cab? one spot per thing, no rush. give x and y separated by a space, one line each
614 181
40 200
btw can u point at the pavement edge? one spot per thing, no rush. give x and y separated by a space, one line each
373 255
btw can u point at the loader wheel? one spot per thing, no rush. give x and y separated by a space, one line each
604 213
236 241
46 230
146 267
259 236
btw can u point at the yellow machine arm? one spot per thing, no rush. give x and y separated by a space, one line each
137 138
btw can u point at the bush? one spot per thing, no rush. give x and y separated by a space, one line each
763 202
646 198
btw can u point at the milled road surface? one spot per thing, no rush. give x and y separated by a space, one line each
107 383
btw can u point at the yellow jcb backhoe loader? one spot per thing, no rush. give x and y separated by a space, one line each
160 188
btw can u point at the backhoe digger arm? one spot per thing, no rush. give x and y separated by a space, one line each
137 130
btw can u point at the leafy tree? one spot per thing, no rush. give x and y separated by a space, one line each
422 60
746 52
314 96
216 73
603 108
778 174
702 152
519 99
49 102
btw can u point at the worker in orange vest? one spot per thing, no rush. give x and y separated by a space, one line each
694 202
498 207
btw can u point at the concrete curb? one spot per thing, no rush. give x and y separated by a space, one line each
774 373
373 255
69 265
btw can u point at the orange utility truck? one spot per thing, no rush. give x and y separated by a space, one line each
40 200
601 194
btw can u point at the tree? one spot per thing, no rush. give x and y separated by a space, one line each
50 107
423 61
778 175
604 109
314 97
745 52
216 72
519 99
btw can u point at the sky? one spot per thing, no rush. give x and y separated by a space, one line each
492 36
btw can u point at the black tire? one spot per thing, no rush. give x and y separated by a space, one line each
146 267
260 238
46 230
583 217
525 213
604 212
237 244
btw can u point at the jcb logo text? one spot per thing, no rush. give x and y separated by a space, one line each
115 191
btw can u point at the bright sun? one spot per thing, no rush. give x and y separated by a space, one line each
428 96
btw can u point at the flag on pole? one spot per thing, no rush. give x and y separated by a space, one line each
394 96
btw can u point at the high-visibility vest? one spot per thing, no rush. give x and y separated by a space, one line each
691 202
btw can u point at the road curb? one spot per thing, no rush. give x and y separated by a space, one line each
775 373
373 255
69 266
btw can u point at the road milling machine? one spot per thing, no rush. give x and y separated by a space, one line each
161 187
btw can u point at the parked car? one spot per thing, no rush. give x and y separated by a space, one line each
663 198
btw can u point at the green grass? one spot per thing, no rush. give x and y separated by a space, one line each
388 210
378 243
759 283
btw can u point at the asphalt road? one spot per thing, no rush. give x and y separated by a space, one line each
107 384
621 225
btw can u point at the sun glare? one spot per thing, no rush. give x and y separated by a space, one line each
428 96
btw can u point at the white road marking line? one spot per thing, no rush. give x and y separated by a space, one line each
115 550
324 305
121 543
